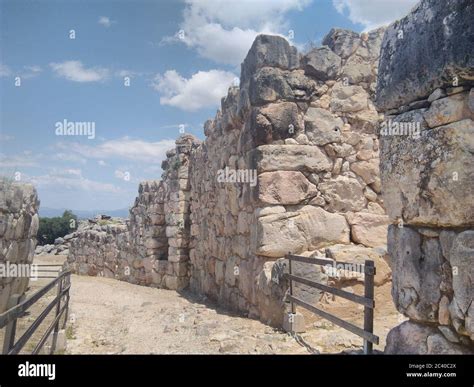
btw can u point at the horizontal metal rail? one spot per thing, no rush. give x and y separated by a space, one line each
338 292
18 310
336 320
368 269
9 318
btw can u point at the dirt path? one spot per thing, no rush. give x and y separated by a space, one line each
110 316
116 317
113 317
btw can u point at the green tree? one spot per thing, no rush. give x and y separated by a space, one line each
59 226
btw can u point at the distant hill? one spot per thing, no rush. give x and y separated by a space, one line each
47 212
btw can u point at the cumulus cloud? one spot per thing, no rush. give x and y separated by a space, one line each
105 21
75 71
372 14
123 148
223 31
204 89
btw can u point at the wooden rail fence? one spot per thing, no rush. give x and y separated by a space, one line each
367 300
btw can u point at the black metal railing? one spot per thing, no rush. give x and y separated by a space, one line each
368 269
9 318
45 270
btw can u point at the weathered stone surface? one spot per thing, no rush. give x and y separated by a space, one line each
343 194
18 226
416 269
369 229
322 127
367 170
343 42
270 84
307 229
411 338
358 70
284 187
291 158
322 63
276 121
271 51
449 109
356 254
428 180
348 98
408 71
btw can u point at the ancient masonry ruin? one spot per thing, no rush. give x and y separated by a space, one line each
426 78
18 228
289 164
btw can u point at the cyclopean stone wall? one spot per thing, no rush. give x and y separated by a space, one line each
18 227
152 248
426 87
289 164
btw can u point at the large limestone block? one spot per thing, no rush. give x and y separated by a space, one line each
307 229
322 127
344 193
458 248
276 121
347 99
270 84
269 51
322 63
358 70
428 180
408 69
410 338
285 187
369 229
343 42
267 158
416 273
450 109
357 254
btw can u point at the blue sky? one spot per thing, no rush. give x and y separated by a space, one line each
140 71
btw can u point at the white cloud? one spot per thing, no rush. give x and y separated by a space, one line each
105 21
223 30
6 137
102 163
22 160
62 156
123 148
4 70
74 70
71 179
372 14
203 89
30 71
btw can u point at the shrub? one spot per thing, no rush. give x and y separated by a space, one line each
59 226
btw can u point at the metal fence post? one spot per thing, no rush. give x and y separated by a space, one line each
58 309
368 311
293 308
10 330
